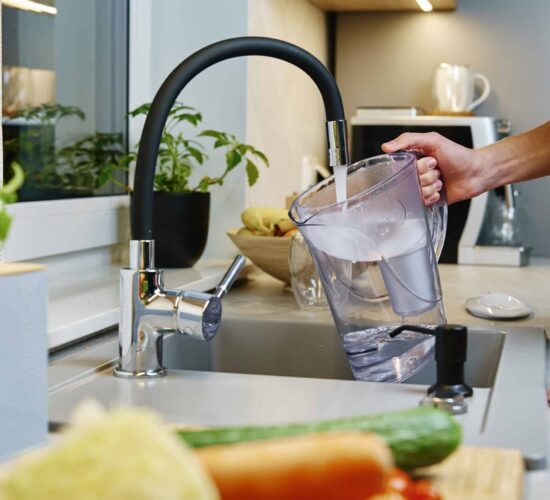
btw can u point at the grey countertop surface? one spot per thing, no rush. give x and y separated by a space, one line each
249 398
264 296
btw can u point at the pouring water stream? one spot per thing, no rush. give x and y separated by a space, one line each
340 174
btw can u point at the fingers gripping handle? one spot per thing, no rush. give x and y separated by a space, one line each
437 222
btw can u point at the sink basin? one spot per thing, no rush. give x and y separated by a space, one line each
266 371
506 369
269 347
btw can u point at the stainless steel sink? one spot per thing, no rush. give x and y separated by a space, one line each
506 369
266 347
266 371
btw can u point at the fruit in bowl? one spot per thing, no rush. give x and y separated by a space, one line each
265 239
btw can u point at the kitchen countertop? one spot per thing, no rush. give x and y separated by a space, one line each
261 296
265 296
530 284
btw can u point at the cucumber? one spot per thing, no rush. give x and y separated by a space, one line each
417 437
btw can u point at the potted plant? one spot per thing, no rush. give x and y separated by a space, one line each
75 170
182 209
90 162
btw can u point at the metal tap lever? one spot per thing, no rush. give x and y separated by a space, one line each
199 314
230 276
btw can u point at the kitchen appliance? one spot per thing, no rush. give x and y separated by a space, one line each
454 88
471 231
375 254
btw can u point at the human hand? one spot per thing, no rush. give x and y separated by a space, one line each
446 164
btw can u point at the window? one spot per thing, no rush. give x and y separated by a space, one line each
64 103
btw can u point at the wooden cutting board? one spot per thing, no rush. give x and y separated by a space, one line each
473 473
11 268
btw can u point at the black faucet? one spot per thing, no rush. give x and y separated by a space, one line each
148 310
142 202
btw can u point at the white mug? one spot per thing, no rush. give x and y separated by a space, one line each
454 87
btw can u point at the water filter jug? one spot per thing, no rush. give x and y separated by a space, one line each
376 252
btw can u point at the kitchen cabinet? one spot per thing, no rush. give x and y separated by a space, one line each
380 5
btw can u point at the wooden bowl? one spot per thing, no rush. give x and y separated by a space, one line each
269 253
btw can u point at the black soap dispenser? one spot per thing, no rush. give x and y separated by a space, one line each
451 342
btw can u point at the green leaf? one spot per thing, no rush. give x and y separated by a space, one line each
243 149
251 172
179 106
8 197
203 184
194 119
5 223
260 155
197 154
212 133
233 158
104 175
16 181
220 142
140 110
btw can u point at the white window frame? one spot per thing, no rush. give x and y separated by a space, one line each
43 229
46 228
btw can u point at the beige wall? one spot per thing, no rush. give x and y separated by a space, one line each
172 30
285 115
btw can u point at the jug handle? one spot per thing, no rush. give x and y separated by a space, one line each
437 223
436 213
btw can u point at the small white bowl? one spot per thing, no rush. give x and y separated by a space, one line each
497 305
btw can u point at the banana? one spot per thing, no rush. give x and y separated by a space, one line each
289 234
283 226
262 220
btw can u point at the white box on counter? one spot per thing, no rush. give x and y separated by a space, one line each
23 357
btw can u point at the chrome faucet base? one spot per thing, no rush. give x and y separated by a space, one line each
149 311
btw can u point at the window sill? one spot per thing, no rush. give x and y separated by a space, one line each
87 302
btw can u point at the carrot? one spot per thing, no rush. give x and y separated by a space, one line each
331 466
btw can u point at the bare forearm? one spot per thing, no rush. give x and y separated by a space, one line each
518 158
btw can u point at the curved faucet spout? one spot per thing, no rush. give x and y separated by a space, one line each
142 202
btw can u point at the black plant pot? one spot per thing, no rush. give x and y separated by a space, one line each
180 227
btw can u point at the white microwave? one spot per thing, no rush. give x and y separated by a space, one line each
466 241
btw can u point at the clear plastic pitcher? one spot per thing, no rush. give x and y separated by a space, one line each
375 255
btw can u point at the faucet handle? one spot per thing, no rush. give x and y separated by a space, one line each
199 314
230 276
